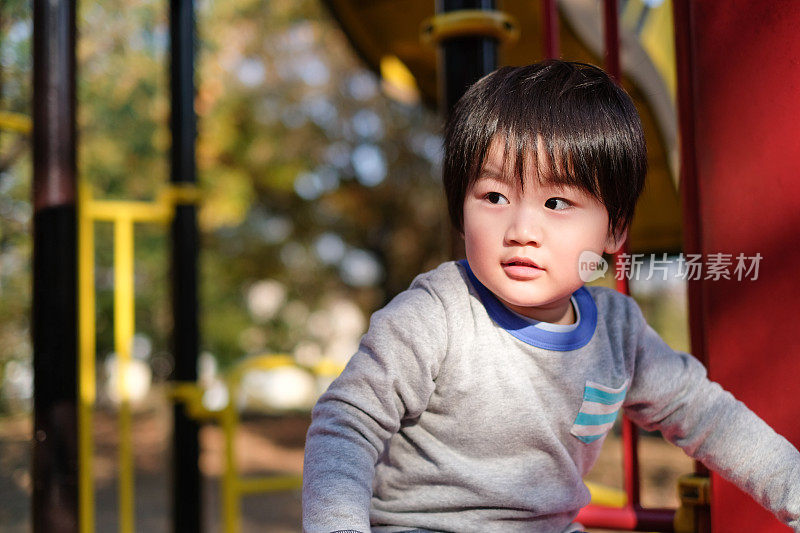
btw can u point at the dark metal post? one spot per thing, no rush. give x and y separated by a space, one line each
54 321
462 62
186 516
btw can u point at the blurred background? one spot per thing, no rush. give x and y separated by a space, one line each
321 201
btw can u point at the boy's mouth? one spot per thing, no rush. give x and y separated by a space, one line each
521 268
521 261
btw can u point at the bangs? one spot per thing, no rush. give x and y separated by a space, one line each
553 164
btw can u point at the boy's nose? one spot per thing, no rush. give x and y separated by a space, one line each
524 230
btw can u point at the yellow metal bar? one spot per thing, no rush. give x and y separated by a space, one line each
230 494
695 494
269 484
161 210
327 368
191 395
124 214
263 362
469 23
15 122
606 496
86 361
658 39
114 210
232 485
181 193
123 335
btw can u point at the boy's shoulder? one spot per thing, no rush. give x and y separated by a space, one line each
431 296
614 306
446 278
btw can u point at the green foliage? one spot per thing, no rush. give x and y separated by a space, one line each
15 210
297 149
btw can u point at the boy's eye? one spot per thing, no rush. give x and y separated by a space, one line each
557 203
496 198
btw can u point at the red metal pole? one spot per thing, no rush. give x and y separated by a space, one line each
611 25
630 455
627 518
690 194
550 28
629 431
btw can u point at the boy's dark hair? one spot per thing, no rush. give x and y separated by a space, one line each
587 124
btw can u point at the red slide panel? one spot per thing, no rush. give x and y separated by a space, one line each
740 122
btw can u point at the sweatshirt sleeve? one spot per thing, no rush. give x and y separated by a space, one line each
389 379
670 392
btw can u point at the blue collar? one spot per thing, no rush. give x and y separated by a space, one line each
529 333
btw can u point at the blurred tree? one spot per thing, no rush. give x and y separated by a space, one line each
341 182
15 211
314 180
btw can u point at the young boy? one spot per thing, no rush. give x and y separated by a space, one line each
480 397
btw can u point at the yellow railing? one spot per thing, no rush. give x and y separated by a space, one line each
234 486
15 122
123 214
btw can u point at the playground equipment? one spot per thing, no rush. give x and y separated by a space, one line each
743 161
123 215
234 486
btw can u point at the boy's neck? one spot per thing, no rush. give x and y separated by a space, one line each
559 316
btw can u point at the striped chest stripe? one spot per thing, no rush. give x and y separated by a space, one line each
598 410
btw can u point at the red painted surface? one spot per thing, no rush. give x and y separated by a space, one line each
629 518
745 87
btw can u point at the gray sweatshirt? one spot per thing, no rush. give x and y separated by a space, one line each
456 414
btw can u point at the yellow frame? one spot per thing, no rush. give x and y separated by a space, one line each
123 214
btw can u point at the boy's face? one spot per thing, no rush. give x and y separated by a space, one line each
524 244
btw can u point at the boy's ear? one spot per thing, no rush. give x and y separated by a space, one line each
615 241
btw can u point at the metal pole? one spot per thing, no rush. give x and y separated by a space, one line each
550 35
611 34
630 433
54 320
690 195
462 62
186 516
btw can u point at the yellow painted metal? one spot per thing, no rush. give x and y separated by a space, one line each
658 40
233 486
123 335
86 361
123 214
327 368
271 484
180 193
15 122
606 496
469 23
694 492
398 81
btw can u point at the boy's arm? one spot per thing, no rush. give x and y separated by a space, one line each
388 379
670 392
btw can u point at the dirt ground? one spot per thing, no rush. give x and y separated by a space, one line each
265 444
